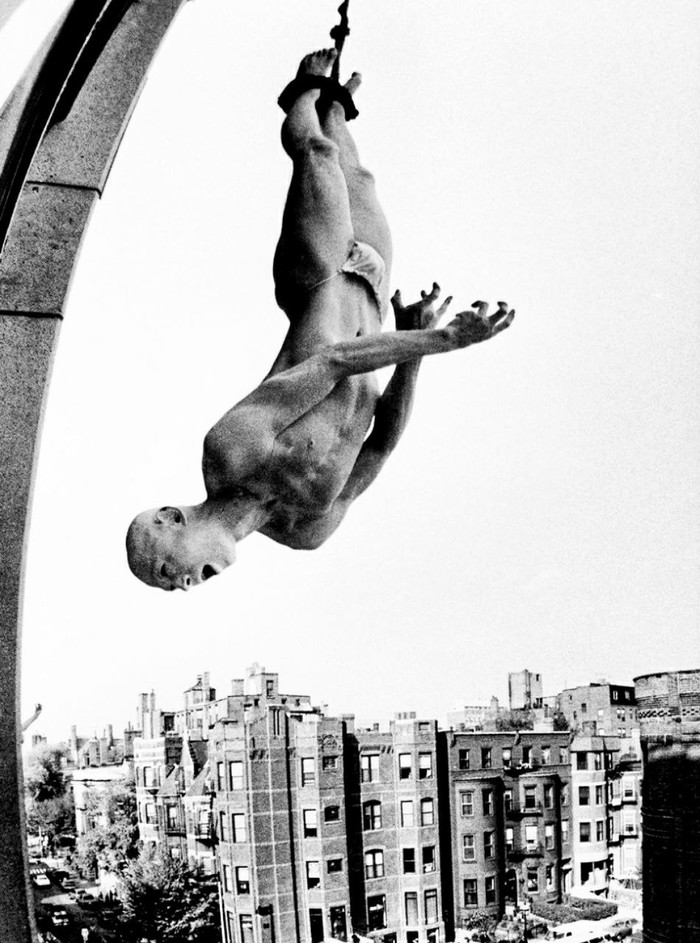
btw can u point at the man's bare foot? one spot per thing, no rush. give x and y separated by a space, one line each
354 82
318 63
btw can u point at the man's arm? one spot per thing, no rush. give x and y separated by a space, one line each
286 396
394 406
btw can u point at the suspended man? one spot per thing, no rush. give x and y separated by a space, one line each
290 458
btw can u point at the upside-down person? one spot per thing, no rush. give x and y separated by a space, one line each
290 458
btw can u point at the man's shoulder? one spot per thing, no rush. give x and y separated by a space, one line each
238 446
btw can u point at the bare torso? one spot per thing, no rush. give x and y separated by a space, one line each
299 474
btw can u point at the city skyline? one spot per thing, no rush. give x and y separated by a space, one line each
542 510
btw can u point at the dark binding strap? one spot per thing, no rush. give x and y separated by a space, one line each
330 91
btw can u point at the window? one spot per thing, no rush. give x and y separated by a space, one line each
508 799
527 754
313 874
584 832
427 812
565 830
563 755
431 908
226 869
220 785
598 761
614 695
488 844
463 759
507 756
471 895
532 880
549 876
171 814
486 757
310 823
531 837
334 865
598 795
331 813
600 830
372 816
431 935
409 860
329 762
468 848
546 755
549 836
238 832
374 864
308 770
242 880
425 765
405 765
487 800
584 795
509 839
369 763
235 774
412 936
531 797
376 912
246 921
630 823
223 827
582 760
407 813
584 708
564 793
490 889
466 803
428 859
549 797
270 687
411 906
628 790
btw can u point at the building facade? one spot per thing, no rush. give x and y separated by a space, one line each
603 710
669 715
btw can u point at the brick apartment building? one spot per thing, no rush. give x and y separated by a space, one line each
318 828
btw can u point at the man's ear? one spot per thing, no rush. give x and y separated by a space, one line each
169 515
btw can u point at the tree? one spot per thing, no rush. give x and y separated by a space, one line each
111 841
515 720
560 721
43 773
166 901
50 818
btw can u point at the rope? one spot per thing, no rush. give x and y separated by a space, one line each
339 33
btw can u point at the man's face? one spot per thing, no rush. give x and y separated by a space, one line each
167 552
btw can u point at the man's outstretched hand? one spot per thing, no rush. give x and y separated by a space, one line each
422 314
467 327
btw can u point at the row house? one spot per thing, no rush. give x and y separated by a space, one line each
505 809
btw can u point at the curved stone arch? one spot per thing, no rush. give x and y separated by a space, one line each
59 133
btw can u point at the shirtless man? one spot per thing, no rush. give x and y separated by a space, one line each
290 458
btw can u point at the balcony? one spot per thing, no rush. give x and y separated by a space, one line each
520 769
519 852
203 832
516 814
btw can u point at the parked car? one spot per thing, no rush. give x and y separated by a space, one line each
59 916
41 880
622 928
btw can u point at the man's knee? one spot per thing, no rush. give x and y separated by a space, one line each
300 144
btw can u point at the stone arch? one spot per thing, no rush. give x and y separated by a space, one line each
59 134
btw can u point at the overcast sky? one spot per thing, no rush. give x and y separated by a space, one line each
543 508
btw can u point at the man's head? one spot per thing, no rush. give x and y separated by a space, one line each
176 548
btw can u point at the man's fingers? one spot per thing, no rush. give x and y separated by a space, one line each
432 295
506 322
501 313
443 307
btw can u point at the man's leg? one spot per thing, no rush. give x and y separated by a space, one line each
317 228
368 219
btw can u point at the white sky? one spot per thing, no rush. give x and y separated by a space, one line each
543 508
